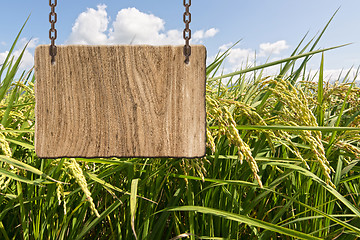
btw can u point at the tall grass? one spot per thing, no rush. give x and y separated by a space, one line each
282 162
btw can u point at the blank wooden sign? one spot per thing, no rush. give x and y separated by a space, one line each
120 101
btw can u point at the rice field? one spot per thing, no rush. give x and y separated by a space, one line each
282 162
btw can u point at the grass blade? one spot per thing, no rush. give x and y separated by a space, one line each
25 166
5 64
276 62
333 136
133 198
16 177
322 183
3 231
292 128
246 220
21 143
97 220
9 107
320 96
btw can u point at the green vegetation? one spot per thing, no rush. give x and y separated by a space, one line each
282 163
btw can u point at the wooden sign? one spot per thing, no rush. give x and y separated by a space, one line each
120 101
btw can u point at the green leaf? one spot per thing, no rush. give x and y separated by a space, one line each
292 128
244 219
12 48
89 225
133 198
320 96
333 135
321 182
21 143
16 177
9 107
239 182
108 185
275 62
10 76
17 131
20 105
105 161
3 231
24 166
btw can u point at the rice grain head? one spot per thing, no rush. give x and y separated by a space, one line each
77 173
4 145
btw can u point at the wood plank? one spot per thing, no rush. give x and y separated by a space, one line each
120 101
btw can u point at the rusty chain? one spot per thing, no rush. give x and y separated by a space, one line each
52 31
187 31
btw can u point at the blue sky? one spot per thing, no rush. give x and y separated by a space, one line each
272 29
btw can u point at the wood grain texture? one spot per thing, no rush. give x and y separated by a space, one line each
123 101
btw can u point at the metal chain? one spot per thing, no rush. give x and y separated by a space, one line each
52 31
187 31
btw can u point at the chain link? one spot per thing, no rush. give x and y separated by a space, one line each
52 31
187 31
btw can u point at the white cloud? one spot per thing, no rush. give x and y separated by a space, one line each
272 48
27 60
31 44
245 57
130 27
201 34
239 56
225 47
211 32
3 56
139 27
90 27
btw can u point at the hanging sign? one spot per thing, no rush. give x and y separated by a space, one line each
124 101
120 101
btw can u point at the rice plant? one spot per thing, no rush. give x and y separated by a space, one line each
282 162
